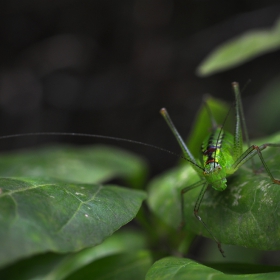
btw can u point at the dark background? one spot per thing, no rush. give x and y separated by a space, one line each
107 67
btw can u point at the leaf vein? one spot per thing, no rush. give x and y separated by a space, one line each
78 207
11 192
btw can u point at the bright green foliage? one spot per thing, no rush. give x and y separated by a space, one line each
241 49
178 268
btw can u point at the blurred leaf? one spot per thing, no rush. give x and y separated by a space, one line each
264 109
241 49
39 215
58 266
177 268
126 266
74 164
235 254
245 214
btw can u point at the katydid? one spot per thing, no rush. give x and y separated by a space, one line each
222 155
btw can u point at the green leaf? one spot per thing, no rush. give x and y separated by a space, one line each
39 215
267 100
132 265
177 268
240 50
53 266
164 194
246 213
74 164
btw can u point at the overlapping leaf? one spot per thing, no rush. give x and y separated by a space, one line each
177 268
39 215
132 265
52 211
240 50
93 164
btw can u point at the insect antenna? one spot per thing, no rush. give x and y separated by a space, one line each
95 136
214 124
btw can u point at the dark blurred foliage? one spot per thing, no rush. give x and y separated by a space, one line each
107 67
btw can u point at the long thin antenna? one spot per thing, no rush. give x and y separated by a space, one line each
91 136
209 112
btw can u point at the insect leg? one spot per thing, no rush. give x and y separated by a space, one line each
251 152
187 154
183 191
238 139
240 120
196 208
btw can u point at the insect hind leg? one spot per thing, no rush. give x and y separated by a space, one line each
183 192
256 150
259 149
196 209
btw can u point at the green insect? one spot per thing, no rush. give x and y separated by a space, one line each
222 155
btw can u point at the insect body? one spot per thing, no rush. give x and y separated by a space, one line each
216 158
222 155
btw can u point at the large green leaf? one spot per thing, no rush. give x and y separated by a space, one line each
246 213
241 49
39 215
74 164
177 268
